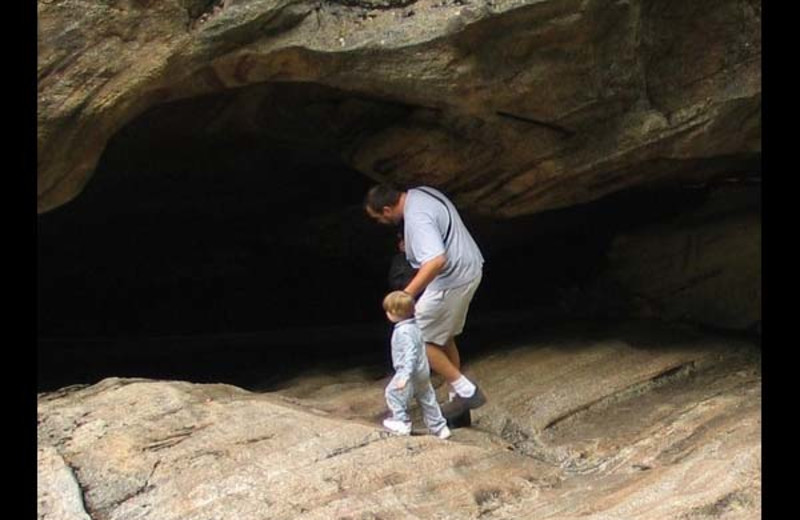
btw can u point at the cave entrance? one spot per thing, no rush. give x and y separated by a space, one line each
222 238
225 216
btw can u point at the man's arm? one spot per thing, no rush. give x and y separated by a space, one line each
427 272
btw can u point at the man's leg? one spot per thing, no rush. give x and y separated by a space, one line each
446 362
465 394
451 351
441 363
441 366
441 316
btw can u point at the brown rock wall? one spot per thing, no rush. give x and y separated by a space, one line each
563 92
703 267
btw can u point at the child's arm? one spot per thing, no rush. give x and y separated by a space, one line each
407 359
413 353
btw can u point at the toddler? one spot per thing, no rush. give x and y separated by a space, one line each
412 372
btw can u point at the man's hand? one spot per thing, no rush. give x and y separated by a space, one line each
427 272
400 384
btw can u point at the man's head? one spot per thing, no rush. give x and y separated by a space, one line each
398 306
383 203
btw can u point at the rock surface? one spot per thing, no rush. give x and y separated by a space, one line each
514 106
702 266
594 422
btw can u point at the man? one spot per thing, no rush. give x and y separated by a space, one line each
450 268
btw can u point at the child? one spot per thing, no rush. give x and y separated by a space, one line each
400 271
412 372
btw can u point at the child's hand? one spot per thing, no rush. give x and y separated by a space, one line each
401 383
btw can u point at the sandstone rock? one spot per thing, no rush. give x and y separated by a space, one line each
145 449
593 423
513 107
523 105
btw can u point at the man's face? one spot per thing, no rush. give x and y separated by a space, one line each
386 216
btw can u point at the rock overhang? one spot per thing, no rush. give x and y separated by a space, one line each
526 113
527 103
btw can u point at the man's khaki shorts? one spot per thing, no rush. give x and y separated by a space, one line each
441 314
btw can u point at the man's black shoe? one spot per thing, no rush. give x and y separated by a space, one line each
464 420
460 404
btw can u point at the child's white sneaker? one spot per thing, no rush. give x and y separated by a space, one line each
444 433
397 427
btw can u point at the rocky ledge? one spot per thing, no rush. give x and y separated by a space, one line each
512 106
633 423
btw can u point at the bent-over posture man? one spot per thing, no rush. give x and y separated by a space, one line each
450 269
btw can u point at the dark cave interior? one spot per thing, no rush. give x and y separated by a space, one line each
231 256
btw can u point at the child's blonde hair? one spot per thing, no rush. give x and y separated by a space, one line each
399 303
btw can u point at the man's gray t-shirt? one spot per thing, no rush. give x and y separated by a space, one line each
432 226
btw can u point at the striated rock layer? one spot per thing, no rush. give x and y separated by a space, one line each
593 423
513 106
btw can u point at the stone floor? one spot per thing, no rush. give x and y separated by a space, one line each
626 421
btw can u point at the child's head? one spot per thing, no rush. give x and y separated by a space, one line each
398 305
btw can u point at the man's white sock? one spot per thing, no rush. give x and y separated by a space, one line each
451 395
463 387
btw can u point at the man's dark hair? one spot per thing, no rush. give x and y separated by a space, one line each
382 195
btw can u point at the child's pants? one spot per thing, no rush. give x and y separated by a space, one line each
419 386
